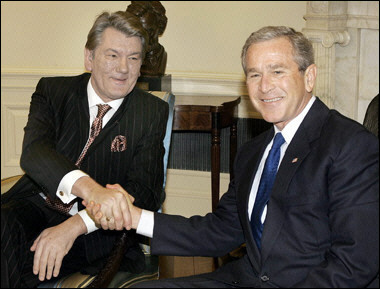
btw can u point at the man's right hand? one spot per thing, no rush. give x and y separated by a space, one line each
113 204
94 209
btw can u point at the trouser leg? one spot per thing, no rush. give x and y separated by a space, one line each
21 222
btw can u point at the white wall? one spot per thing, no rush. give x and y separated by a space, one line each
204 36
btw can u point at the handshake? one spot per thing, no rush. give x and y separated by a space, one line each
116 212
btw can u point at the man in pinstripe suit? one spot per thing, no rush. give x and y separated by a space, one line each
40 243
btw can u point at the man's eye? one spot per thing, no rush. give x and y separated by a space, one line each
254 75
278 72
135 57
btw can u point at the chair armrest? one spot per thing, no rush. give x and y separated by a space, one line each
7 183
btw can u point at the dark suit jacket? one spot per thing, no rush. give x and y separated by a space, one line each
322 223
58 129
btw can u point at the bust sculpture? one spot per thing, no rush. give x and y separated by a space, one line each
153 19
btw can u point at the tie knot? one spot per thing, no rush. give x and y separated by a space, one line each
278 141
102 110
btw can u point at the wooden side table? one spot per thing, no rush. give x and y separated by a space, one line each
210 117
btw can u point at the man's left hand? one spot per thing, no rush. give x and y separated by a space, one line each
52 245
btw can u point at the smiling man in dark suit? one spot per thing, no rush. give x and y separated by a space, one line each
84 132
319 224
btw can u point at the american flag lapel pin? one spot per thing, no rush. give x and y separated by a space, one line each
294 160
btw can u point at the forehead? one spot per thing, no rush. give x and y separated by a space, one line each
270 51
113 38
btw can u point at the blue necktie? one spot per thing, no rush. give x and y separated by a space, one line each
266 183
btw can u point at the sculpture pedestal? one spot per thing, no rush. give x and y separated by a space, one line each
158 83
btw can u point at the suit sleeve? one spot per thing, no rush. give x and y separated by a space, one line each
214 234
145 178
352 259
39 158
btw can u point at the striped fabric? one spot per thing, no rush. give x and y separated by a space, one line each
127 279
54 140
122 279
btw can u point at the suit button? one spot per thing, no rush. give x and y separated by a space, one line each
264 278
61 193
235 282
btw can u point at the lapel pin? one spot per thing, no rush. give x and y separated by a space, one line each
294 160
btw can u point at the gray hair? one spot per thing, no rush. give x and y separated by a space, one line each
122 21
302 47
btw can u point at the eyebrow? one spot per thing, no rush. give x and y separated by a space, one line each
135 53
270 66
115 51
251 70
276 66
112 50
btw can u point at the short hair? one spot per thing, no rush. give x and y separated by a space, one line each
122 21
302 47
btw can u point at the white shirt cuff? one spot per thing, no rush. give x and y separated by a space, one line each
66 185
146 224
90 224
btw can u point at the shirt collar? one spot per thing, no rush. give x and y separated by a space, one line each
94 99
291 128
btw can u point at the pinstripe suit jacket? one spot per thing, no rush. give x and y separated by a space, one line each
58 129
322 225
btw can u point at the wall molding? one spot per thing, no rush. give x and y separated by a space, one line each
188 86
184 82
15 115
208 83
340 32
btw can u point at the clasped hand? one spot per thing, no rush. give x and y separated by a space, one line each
111 210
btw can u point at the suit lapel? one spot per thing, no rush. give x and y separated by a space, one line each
298 148
244 191
296 152
83 113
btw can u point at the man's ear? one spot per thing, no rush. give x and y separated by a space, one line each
88 59
310 77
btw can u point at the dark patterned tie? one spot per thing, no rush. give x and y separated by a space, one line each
96 127
266 183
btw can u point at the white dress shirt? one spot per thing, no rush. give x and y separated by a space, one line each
70 178
146 223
